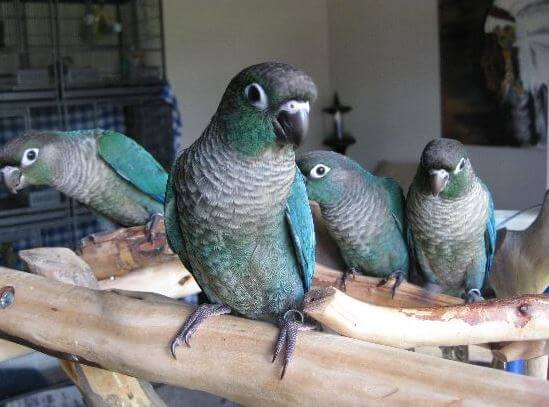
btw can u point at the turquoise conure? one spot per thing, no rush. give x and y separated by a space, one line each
102 169
363 213
237 212
450 212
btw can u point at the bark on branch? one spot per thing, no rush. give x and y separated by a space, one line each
100 388
231 356
517 319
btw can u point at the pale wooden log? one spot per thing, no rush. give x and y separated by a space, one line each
362 287
60 264
171 279
516 319
173 282
231 356
521 266
99 387
365 289
116 253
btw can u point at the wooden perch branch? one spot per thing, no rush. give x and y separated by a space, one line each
231 356
116 253
99 387
518 319
171 279
365 289
116 248
119 252
521 266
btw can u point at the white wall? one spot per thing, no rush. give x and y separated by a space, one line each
381 55
384 61
209 41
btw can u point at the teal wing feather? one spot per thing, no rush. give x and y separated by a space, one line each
171 222
490 234
396 202
133 163
300 221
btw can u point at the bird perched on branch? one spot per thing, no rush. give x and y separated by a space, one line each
237 212
363 213
450 213
102 169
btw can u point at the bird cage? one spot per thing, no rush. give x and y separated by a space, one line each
27 50
110 43
80 44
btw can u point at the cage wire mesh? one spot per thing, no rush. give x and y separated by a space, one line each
111 43
26 44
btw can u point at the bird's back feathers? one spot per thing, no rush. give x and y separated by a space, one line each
133 163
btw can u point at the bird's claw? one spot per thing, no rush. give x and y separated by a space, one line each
289 325
194 321
152 226
473 295
349 273
398 275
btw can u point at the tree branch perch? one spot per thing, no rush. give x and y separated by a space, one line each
516 319
230 356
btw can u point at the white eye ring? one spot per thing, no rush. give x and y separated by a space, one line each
256 96
30 155
319 171
460 166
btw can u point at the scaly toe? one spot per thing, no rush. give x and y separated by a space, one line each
473 295
194 321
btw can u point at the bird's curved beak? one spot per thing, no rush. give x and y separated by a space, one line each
13 179
292 122
439 180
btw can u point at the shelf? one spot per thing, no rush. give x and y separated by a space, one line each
30 216
130 90
20 95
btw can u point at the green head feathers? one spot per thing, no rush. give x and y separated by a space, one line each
445 169
264 105
29 159
329 175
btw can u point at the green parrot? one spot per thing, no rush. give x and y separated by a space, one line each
452 229
363 213
104 170
237 212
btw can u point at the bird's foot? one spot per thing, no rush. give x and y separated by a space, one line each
473 295
153 227
348 274
290 324
398 275
194 321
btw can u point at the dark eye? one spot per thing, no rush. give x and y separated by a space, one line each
29 156
319 171
256 96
